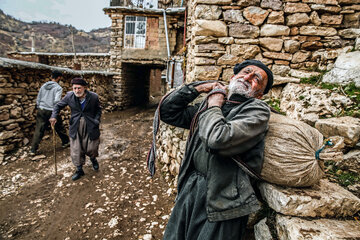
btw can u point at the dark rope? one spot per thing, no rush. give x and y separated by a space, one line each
150 159
327 143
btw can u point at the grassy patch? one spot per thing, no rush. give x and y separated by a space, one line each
343 177
311 80
351 91
348 178
275 104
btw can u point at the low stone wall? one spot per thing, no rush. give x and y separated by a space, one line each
19 85
86 61
172 143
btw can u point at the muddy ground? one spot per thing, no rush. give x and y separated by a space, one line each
120 201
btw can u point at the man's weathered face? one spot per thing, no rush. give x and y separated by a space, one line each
250 82
79 90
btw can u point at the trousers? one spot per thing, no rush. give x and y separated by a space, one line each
42 123
82 145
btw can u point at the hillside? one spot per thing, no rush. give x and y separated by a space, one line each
15 35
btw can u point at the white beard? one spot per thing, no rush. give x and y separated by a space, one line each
241 87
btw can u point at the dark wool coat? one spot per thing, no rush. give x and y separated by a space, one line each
91 113
234 129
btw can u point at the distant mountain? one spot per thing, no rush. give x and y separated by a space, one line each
15 35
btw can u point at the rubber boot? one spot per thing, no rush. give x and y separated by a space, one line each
78 174
95 164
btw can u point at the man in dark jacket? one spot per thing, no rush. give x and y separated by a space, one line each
215 195
84 124
49 94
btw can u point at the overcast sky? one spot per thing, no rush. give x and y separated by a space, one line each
82 14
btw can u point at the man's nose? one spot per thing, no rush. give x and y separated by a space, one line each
248 76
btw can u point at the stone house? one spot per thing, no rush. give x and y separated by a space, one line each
145 38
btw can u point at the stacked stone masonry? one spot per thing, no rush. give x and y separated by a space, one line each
307 34
87 61
19 87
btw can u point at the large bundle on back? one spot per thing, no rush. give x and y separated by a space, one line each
290 149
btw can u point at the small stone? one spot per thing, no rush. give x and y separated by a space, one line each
113 222
147 237
39 157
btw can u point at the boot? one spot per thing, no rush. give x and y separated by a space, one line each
78 174
65 145
95 164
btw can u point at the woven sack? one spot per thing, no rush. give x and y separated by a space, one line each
289 157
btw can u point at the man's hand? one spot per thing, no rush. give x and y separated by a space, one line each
206 87
52 121
217 99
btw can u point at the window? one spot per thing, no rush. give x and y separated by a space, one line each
135 32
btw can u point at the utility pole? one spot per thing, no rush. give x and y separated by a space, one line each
76 66
73 45
32 36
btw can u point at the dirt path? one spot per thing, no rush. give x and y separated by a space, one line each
118 202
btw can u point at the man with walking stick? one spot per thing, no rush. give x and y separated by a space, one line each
48 96
84 124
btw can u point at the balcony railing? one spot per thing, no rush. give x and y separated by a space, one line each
147 4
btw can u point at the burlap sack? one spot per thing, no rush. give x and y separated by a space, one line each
289 157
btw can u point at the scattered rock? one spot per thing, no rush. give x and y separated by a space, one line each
38 157
113 222
262 231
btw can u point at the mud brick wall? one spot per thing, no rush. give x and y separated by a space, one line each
19 87
87 61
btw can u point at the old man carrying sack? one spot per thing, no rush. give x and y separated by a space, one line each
215 196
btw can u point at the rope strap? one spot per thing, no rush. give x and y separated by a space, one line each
217 90
327 143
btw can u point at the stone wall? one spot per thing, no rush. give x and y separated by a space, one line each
19 85
294 38
87 61
287 34
155 45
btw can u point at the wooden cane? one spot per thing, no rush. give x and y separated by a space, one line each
54 143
